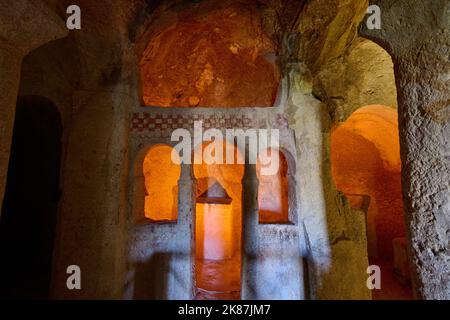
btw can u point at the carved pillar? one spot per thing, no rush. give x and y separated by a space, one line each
24 26
417 35
187 187
249 232
92 216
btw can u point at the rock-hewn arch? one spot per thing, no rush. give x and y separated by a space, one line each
365 156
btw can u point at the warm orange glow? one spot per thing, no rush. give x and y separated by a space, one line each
161 182
213 59
214 231
379 125
219 225
213 223
273 190
365 156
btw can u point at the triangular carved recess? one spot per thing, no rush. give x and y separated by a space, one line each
215 194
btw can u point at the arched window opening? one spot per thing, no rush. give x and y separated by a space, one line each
219 58
161 177
218 226
365 156
274 189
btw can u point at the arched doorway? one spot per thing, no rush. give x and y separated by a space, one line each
30 206
365 154
218 225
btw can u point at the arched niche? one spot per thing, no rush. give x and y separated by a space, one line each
156 178
218 220
276 189
211 55
210 224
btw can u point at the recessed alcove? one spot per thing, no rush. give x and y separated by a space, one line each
219 57
218 225
276 190
156 185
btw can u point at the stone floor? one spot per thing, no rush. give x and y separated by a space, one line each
218 279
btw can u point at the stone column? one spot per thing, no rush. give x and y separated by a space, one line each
93 210
24 26
417 35
249 232
185 260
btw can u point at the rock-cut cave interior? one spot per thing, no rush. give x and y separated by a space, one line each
93 178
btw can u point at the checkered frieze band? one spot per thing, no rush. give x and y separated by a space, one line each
142 122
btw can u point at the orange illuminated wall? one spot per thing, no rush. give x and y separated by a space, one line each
210 58
214 231
365 157
161 183
273 189
218 226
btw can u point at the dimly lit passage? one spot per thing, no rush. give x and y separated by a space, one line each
30 206
366 162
